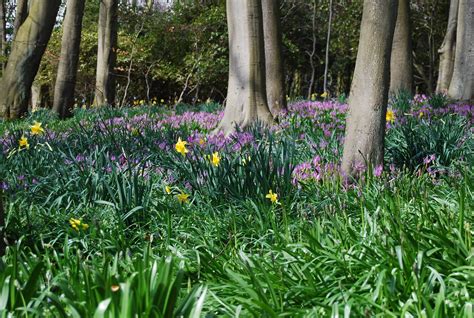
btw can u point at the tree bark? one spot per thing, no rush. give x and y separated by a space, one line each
27 50
107 53
365 130
246 94
447 50
275 76
401 69
3 34
69 59
462 83
20 15
328 42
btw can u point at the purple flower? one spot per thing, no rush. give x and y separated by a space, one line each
378 171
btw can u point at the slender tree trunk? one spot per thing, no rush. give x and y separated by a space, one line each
36 96
275 76
3 34
313 52
107 53
246 95
20 15
25 57
462 82
447 50
401 69
328 41
365 130
69 59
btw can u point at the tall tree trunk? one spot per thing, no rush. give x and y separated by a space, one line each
20 14
447 50
246 94
3 34
28 48
401 69
275 76
365 130
462 82
107 53
67 69
328 42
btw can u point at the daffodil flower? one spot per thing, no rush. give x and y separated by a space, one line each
273 197
183 197
215 159
390 116
36 129
181 147
78 224
23 142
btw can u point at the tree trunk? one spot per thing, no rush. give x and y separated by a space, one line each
20 15
107 53
27 50
3 34
246 94
36 96
447 50
275 76
401 69
328 42
462 83
365 130
67 68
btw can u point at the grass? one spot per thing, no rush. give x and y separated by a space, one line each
393 244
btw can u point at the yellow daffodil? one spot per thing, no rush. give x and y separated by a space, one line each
420 115
168 190
324 95
183 197
36 129
245 161
390 117
273 197
24 142
162 101
313 97
215 159
181 147
78 224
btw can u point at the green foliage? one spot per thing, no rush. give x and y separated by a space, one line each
394 244
448 139
108 286
438 101
402 101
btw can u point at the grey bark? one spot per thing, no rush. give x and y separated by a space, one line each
275 76
462 82
27 50
3 34
36 96
328 42
107 53
401 69
20 14
246 94
365 130
447 50
69 59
